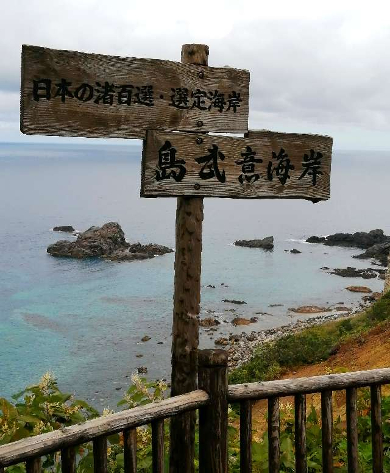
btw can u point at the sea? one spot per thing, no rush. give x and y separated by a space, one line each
83 320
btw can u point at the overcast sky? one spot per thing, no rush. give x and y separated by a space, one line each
316 66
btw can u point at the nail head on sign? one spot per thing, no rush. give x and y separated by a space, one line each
197 186
199 123
199 140
201 74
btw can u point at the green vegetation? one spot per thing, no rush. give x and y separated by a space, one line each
310 346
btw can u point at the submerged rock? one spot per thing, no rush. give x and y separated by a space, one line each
294 251
309 309
209 322
241 321
233 301
350 272
364 289
107 242
266 243
380 251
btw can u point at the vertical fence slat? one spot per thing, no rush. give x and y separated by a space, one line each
300 433
1 469
213 418
34 465
327 431
352 432
273 435
158 445
376 427
100 455
246 436
68 460
130 450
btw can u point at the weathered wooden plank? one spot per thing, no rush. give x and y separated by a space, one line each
76 434
158 445
246 437
68 460
69 93
186 306
273 435
213 418
290 387
300 433
34 465
352 431
130 450
100 455
327 431
263 165
376 427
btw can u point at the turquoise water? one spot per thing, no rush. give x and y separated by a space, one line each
83 320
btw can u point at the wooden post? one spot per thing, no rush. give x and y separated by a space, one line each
213 419
185 332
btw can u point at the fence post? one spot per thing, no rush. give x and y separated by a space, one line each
213 418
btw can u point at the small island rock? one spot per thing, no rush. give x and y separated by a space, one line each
266 243
64 228
107 242
359 289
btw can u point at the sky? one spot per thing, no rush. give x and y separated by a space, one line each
316 66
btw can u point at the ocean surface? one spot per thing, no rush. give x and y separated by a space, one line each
84 320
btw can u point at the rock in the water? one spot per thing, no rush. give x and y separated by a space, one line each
353 240
209 322
358 289
222 341
266 243
64 228
233 301
241 321
316 239
142 370
309 309
350 272
146 338
107 242
381 251
294 251
375 296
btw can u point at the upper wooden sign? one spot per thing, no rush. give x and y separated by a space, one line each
69 93
264 164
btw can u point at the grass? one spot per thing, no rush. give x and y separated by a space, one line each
310 346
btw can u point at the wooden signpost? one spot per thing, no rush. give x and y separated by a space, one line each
172 106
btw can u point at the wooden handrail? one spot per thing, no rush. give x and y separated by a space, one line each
290 387
39 445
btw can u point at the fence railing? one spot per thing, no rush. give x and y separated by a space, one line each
212 401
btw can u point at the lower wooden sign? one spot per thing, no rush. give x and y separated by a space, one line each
264 164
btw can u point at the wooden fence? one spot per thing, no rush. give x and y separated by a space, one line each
212 400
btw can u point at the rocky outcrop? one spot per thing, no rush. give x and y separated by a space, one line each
309 309
349 272
233 301
363 289
266 243
64 228
209 322
375 242
107 242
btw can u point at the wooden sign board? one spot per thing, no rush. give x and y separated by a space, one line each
68 93
264 164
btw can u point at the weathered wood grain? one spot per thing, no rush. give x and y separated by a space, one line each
158 446
34 465
70 114
169 166
352 430
39 445
300 433
273 435
186 306
246 437
290 387
213 418
130 450
327 431
68 460
376 428
100 455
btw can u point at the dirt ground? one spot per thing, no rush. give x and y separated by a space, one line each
372 350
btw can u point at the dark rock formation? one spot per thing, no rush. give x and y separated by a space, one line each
266 243
209 322
294 251
349 272
64 228
107 242
233 301
379 251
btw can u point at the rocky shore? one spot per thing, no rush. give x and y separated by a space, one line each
241 347
106 242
